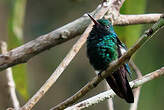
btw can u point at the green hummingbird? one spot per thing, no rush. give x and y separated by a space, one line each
103 47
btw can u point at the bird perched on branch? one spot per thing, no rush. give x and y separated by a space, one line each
103 47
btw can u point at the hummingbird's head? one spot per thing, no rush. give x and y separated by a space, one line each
102 25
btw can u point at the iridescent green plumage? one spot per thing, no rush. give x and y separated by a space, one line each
103 47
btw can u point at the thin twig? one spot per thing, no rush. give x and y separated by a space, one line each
9 82
135 68
110 100
110 104
25 52
113 66
136 93
63 64
138 89
110 94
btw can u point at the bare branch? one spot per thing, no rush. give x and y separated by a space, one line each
113 66
136 19
110 94
25 52
110 100
8 83
137 90
110 104
136 69
136 93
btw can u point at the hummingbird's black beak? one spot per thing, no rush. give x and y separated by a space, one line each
93 19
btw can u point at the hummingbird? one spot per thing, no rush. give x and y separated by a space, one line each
103 47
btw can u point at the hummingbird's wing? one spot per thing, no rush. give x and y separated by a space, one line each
122 49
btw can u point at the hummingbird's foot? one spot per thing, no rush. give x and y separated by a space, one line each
99 74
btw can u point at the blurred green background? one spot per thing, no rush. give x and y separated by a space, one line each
33 18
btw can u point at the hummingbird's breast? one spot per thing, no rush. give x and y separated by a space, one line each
101 50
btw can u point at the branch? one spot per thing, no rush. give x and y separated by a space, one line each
25 52
110 101
137 90
136 19
136 93
113 66
8 83
135 69
110 94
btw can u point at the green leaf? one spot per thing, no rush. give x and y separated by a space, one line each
15 39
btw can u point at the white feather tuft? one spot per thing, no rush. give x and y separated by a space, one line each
97 72
122 50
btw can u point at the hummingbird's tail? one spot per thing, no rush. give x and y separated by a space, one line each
120 85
